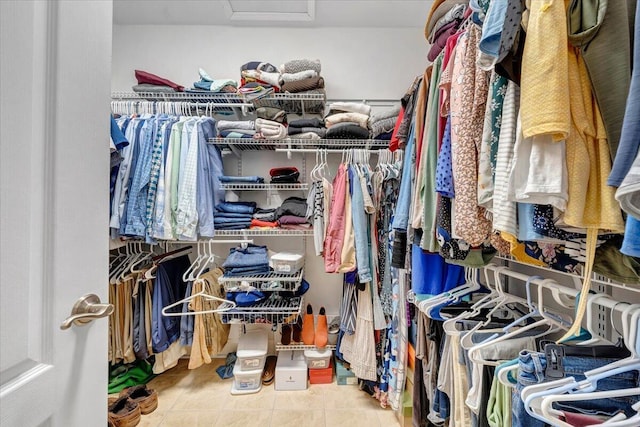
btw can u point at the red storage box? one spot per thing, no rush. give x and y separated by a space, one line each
321 376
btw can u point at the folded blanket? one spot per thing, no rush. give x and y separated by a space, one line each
297 65
307 123
385 114
360 119
350 107
382 126
147 87
321 132
269 129
232 124
347 131
296 77
303 85
260 66
271 78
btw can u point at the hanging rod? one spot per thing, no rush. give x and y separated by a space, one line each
212 241
312 150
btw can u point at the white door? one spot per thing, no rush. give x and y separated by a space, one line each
54 158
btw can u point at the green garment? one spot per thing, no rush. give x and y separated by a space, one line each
429 241
129 375
499 405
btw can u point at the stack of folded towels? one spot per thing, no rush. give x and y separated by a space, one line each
348 120
383 122
209 84
246 261
233 215
292 214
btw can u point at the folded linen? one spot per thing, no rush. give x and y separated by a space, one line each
236 125
307 123
303 85
321 132
297 65
350 107
347 130
296 77
269 129
358 118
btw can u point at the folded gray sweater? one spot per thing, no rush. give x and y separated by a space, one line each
298 65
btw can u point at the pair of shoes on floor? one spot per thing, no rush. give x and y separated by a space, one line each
133 402
269 372
313 334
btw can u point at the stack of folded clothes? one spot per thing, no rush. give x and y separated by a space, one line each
241 179
258 79
269 129
301 75
348 120
209 84
246 261
148 82
383 122
445 22
233 215
291 215
284 175
312 128
264 219
236 128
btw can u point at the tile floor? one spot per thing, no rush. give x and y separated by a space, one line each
199 398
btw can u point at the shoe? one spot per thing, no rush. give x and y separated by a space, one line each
308 328
285 338
269 373
145 397
321 336
124 412
296 336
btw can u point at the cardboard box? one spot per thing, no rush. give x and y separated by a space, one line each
291 371
343 375
321 376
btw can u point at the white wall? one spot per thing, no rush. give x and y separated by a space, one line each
357 63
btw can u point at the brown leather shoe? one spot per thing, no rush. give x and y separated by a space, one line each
269 372
124 412
308 328
145 397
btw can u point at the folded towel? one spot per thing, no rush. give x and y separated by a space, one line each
295 132
347 131
350 107
360 119
269 129
385 114
297 65
232 124
271 78
303 85
307 123
296 77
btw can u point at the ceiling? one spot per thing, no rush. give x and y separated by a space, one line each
298 13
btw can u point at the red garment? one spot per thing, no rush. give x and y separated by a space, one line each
259 223
395 142
580 420
145 77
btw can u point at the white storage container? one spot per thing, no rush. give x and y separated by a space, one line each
246 380
288 263
252 350
318 359
291 371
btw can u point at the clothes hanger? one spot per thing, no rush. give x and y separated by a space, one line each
194 263
228 305
619 420
148 274
590 316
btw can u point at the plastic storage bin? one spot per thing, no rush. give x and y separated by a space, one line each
287 263
321 376
246 380
318 359
291 371
252 350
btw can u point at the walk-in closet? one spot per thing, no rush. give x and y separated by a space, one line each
320 213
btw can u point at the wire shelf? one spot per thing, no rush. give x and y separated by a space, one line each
597 279
259 187
213 97
274 310
272 232
271 282
282 347
245 144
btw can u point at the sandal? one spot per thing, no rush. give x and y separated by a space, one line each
269 373
145 397
124 412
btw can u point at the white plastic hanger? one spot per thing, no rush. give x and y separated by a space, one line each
228 305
